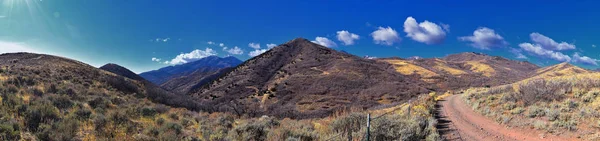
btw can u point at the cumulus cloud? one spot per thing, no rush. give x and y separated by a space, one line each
254 45
424 32
191 56
222 45
271 45
324 42
538 50
518 53
154 59
235 50
210 42
485 38
584 59
593 46
257 52
548 43
346 37
12 47
385 36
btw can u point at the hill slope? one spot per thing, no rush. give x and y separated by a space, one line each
464 70
303 79
207 65
54 98
183 84
119 70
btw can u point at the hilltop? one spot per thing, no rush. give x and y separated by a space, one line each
303 79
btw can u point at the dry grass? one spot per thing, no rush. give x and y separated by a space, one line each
552 104
482 68
407 68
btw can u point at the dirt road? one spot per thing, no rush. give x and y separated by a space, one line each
459 122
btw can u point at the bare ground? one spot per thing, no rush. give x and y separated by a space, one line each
457 121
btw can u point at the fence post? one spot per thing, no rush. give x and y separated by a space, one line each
368 125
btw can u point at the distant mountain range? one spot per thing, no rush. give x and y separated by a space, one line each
171 77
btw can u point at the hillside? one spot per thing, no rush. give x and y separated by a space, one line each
207 65
302 79
119 70
464 70
562 69
45 97
183 84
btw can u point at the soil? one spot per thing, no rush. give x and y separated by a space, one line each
457 121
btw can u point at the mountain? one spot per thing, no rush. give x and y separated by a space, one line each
463 70
207 64
301 79
119 70
183 84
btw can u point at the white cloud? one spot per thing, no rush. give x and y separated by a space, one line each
154 59
254 45
221 45
485 38
210 42
518 53
271 45
548 43
593 46
538 50
324 42
385 36
257 52
12 47
584 60
161 40
235 50
191 56
346 37
424 32
2 17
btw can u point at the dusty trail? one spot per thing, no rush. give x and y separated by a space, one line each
459 122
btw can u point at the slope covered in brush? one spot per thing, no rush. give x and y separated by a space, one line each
303 79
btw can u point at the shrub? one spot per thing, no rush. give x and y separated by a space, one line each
99 102
590 96
119 118
349 124
100 122
542 90
64 130
517 110
509 106
148 112
161 108
539 124
83 113
61 101
160 121
552 114
171 126
42 113
535 111
10 131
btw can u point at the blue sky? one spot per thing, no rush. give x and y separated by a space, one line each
131 33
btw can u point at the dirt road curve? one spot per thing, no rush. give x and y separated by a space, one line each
459 122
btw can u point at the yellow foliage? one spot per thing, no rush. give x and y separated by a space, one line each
479 67
407 68
443 67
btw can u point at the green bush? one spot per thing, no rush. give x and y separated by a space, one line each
171 126
160 121
61 101
148 112
40 113
99 102
539 124
83 113
10 131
